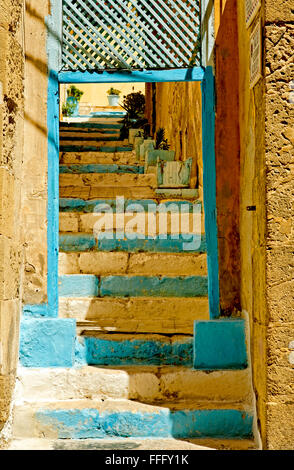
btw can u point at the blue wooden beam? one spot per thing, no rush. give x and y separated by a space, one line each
209 190
194 74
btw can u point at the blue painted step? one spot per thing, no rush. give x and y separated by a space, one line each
100 168
151 205
145 422
87 242
81 285
87 138
88 134
47 342
73 148
220 344
127 350
89 125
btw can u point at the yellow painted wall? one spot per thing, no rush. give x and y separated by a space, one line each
178 111
253 223
96 94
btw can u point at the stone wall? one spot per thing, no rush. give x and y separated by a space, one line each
266 164
178 110
252 223
35 154
279 161
11 231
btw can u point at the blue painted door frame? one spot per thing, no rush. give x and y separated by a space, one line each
205 75
209 177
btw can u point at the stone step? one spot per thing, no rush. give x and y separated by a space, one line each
110 180
70 147
171 316
89 134
148 224
89 126
147 205
93 120
108 158
107 142
148 264
92 140
82 419
77 242
94 347
128 444
89 193
131 444
89 285
142 383
133 193
100 168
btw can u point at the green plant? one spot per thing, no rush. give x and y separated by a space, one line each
113 91
134 104
67 109
161 143
75 92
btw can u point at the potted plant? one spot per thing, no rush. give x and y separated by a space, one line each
73 98
161 143
161 151
134 104
113 96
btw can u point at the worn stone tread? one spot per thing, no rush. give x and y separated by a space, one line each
103 263
135 315
104 444
148 383
152 224
111 180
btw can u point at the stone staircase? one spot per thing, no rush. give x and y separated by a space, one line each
133 304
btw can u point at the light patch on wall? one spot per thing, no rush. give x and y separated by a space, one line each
291 355
251 9
291 94
1 93
255 55
1 356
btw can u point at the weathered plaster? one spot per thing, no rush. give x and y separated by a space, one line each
34 203
11 180
227 149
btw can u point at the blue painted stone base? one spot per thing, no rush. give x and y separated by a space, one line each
47 342
163 423
83 285
91 148
131 351
158 244
220 344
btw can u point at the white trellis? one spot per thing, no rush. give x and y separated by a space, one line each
130 34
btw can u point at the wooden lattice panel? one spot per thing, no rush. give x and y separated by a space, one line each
130 34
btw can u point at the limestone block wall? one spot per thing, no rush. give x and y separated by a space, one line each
35 154
11 180
252 222
279 160
178 110
266 235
